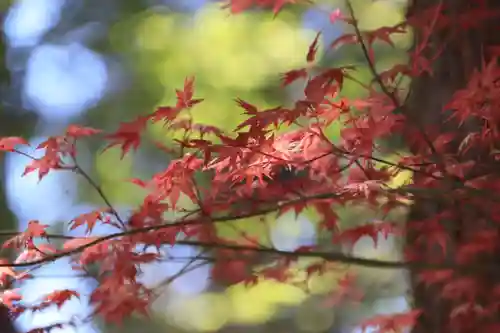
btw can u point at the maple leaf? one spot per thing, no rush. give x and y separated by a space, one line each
330 217
345 39
35 253
10 143
249 108
383 34
151 212
8 297
55 147
177 179
128 135
115 300
261 120
391 74
232 272
88 219
35 229
59 297
372 230
75 131
320 85
392 323
6 272
238 6
43 165
185 96
292 76
95 252
313 48
25 239
165 113
335 15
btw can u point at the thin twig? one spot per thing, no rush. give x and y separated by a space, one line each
397 105
101 193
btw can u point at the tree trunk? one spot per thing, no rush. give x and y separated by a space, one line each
464 51
6 325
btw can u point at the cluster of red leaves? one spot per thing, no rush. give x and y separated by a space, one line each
245 178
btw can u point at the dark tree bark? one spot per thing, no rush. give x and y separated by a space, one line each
6 325
464 51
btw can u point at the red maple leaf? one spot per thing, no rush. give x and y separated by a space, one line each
165 113
128 135
10 143
35 253
25 239
344 40
35 229
88 219
8 297
6 272
372 230
44 165
185 96
313 48
383 34
76 131
293 75
59 297
321 85
392 323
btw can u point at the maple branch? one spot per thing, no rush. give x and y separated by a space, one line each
383 161
376 76
99 191
345 152
186 269
328 256
17 151
366 54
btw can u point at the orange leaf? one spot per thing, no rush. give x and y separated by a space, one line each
88 219
292 76
128 135
59 297
76 131
9 143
